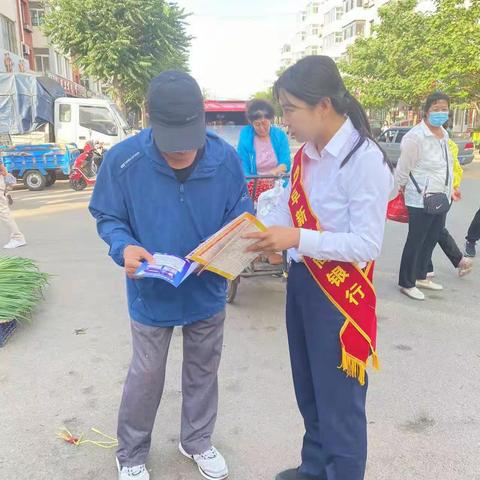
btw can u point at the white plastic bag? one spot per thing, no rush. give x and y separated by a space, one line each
10 180
268 200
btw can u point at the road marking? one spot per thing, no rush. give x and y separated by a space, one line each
49 210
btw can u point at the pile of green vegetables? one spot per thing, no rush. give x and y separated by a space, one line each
21 285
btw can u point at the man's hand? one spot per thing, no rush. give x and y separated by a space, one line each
134 256
3 170
275 239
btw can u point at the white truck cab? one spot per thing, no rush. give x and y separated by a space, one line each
80 120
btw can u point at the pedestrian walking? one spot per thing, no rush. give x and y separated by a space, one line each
17 239
446 242
425 174
473 236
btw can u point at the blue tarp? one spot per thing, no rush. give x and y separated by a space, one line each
26 102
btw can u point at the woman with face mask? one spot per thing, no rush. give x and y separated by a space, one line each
332 218
425 174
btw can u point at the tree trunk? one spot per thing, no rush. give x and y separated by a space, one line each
143 109
119 97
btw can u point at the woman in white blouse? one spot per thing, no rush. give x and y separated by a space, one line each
347 181
425 167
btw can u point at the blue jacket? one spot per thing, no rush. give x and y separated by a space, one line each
138 201
246 148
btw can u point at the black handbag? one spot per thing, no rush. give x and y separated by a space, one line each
435 203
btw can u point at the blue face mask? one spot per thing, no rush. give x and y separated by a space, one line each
437 119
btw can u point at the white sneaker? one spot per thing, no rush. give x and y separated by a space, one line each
431 275
413 293
211 464
15 243
465 266
139 472
429 285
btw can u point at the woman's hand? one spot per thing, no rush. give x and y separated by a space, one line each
274 239
280 170
401 190
456 195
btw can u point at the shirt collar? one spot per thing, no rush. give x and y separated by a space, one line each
335 145
428 133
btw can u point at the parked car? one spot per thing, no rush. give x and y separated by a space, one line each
390 141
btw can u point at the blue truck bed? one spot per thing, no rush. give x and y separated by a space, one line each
37 161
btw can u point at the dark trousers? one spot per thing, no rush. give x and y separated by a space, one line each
332 404
423 234
450 249
473 234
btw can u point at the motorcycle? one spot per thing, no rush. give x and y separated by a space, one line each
84 172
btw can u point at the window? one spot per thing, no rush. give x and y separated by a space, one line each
400 135
359 3
37 15
354 29
338 13
315 30
349 5
65 113
8 38
315 8
303 35
98 119
338 37
42 63
314 50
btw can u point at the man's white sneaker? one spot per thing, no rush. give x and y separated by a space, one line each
15 243
139 472
431 275
211 463
413 293
428 285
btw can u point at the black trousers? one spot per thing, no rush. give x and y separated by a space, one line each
473 234
424 231
450 249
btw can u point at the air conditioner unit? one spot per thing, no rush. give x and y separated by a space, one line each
26 49
27 27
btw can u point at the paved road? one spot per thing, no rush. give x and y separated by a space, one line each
424 413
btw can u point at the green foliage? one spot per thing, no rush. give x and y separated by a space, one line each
411 54
122 43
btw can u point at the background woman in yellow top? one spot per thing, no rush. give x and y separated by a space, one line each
446 241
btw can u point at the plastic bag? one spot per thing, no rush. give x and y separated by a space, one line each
397 211
269 199
10 180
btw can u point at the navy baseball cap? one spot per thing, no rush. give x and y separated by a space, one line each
177 112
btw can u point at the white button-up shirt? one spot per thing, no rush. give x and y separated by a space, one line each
427 158
350 202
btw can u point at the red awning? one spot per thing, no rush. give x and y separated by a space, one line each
225 106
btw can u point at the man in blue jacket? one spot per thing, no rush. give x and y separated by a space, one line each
166 190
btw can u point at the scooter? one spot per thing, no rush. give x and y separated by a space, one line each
84 172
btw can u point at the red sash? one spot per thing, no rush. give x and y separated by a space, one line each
347 286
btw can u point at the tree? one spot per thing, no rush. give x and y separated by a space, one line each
412 53
122 43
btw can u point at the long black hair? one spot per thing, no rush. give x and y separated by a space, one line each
316 77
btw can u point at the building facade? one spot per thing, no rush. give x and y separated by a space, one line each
50 62
16 53
329 27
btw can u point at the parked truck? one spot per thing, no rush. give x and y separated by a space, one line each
47 130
